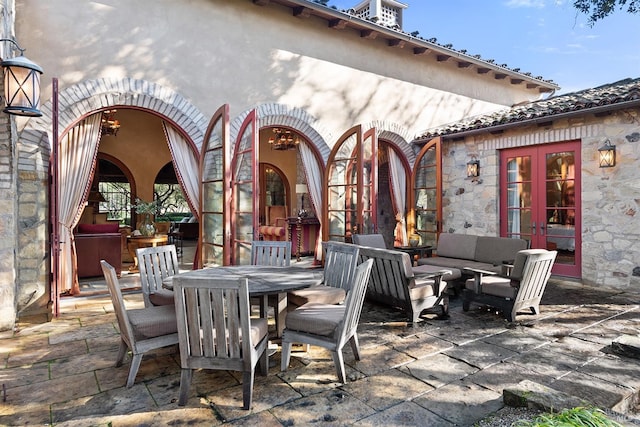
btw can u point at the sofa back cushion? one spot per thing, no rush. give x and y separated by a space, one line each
453 245
98 228
370 240
496 250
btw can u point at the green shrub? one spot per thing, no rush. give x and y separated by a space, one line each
588 417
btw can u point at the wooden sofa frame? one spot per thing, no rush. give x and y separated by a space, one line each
393 282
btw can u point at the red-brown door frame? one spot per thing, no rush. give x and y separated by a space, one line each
538 227
435 144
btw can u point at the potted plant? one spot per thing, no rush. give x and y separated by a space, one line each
146 209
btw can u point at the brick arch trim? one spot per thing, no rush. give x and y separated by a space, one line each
395 134
83 98
273 114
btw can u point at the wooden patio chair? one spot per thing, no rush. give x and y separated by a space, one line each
141 329
216 331
274 254
341 260
328 325
512 291
156 264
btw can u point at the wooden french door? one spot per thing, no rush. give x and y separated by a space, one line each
540 200
245 191
215 191
351 186
427 194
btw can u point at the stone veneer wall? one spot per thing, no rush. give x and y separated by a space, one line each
610 197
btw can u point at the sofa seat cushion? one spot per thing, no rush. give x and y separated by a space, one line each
305 318
460 246
317 294
494 285
423 288
162 297
153 322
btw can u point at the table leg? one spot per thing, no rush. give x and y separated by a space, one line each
281 313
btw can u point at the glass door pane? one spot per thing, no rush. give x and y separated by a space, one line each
245 194
427 194
214 157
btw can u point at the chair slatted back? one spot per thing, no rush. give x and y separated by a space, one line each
536 273
111 277
155 264
355 300
213 315
341 260
271 253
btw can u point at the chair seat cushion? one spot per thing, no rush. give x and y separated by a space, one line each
424 289
314 318
162 297
317 294
259 329
495 285
153 321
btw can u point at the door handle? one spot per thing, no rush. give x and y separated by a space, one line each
533 228
542 228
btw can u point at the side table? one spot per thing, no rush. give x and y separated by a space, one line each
416 252
135 242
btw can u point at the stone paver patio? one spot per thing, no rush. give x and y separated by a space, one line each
436 373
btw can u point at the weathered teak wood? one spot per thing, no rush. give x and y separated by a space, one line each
272 253
341 260
394 283
155 264
216 332
275 254
345 329
522 289
162 318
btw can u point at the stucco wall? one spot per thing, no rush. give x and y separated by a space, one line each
610 196
214 52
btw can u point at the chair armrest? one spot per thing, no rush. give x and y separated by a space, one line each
477 277
281 220
436 276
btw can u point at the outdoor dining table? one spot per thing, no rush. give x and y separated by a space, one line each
263 281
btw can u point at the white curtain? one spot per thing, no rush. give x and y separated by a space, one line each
76 159
186 166
314 185
398 183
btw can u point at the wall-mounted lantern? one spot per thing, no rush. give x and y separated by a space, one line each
473 167
21 84
607 155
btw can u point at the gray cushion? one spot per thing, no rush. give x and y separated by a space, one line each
496 250
453 245
370 240
162 297
153 321
317 294
495 285
259 329
317 319
421 289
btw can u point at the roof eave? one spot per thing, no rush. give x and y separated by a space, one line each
504 126
419 44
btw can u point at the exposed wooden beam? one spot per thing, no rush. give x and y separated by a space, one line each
464 64
515 81
261 2
532 85
301 12
368 34
483 70
396 43
500 76
338 24
420 50
442 58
